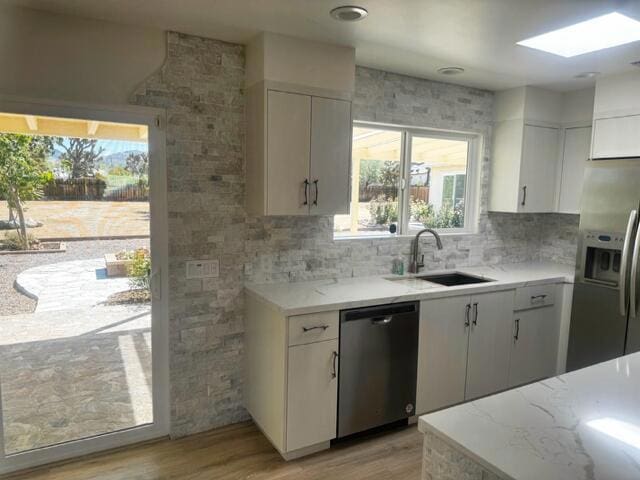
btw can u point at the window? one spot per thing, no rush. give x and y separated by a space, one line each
436 168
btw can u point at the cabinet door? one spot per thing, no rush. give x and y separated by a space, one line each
534 346
616 137
489 343
330 156
538 170
442 352
288 152
312 398
577 142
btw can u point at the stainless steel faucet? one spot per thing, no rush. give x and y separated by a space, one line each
414 265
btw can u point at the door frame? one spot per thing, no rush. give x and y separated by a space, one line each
155 120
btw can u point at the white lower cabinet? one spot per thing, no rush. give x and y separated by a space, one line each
442 352
291 376
534 345
463 350
489 343
312 399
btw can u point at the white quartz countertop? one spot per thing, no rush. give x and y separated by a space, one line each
322 295
581 425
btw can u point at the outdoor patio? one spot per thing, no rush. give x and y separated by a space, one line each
75 367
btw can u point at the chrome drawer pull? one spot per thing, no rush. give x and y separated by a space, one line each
317 327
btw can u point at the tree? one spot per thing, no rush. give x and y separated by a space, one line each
22 174
138 163
79 155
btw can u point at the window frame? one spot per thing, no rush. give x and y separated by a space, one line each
472 183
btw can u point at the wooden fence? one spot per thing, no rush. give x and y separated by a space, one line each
370 192
89 188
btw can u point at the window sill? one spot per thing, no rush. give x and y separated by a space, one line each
406 235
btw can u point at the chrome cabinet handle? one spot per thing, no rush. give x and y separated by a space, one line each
475 313
382 321
334 372
625 260
306 188
524 196
315 183
466 315
317 327
517 334
633 278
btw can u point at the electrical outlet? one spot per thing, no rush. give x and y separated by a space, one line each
203 268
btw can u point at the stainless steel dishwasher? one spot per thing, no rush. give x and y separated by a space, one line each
378 366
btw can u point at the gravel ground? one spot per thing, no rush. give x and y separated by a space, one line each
13 302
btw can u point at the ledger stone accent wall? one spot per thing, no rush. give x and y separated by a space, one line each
201 88
441 461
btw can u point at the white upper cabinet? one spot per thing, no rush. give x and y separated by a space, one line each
330 156
298 156
577 141
288 133
616 137
528 150
538 166
298 126
616 116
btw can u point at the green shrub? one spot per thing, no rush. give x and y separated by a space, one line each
446 217
383 210
140 270
13 241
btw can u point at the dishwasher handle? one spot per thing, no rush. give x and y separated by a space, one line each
382 320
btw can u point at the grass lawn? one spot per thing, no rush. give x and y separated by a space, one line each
85 219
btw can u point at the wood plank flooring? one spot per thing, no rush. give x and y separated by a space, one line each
241 452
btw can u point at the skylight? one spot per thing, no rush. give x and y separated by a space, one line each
592 35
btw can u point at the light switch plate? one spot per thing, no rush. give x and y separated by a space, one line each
203 268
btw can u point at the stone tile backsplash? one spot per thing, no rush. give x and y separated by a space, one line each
201 85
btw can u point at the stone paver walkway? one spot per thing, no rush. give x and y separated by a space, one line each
69 285
74 368
73 374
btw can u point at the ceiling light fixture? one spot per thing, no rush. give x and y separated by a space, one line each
450 70
587 75
602 32
348 13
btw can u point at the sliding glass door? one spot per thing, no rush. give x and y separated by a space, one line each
83 248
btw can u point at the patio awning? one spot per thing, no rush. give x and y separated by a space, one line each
65 127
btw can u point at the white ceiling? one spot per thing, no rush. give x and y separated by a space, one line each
414 37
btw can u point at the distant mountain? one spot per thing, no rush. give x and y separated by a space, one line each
118 159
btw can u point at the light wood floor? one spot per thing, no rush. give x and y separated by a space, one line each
241 452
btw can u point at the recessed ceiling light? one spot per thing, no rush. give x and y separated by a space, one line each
450 70
592 35
587 75
349 13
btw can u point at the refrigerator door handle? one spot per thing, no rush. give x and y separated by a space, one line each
633 278
625 261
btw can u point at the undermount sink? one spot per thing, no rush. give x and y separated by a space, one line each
453 279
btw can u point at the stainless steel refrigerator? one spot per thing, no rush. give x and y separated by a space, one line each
605 320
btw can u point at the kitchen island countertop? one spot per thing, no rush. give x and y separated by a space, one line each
583 425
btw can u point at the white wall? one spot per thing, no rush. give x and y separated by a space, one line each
58 57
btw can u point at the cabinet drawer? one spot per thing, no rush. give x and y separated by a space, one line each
534 297
314 327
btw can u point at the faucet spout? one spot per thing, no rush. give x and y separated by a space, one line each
414 264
